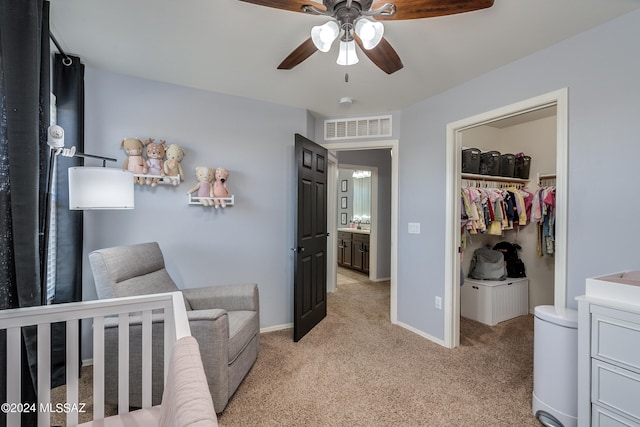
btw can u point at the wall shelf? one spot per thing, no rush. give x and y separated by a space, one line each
162 180
228 201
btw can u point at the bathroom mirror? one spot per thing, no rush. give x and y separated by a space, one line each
355 202
362 196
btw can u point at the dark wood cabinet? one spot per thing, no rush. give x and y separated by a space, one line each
344 249
353 251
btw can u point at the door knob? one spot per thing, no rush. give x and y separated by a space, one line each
298 249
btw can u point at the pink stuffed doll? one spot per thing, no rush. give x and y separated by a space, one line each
155 156
220 187
204 176
134 161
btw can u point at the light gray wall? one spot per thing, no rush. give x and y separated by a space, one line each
251 241
248 242
381 159
601 71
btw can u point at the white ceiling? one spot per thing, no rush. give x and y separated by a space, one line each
233 47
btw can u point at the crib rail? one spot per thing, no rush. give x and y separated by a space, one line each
176 326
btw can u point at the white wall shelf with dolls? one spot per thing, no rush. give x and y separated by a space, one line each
156 179
211 188
212 201
160 166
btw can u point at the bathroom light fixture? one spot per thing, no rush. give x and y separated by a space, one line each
358 174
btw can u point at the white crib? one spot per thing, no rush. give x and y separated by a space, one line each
176 327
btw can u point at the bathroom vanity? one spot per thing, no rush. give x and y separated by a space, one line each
353 249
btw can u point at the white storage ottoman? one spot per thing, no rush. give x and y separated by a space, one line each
491 302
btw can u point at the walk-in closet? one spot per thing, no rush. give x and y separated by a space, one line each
532 135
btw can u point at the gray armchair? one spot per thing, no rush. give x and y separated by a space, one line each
223 319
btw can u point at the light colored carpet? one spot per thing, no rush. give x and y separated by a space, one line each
357 369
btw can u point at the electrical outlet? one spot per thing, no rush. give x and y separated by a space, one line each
439 303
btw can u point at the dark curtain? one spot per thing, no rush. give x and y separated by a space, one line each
24 92
68 87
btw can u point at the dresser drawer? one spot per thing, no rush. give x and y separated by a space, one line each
600 417
615 337
615 389
360 237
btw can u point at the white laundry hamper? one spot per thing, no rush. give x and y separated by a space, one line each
555 366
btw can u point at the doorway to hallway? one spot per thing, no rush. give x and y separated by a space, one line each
390 244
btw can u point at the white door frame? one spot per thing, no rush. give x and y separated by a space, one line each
372 145
558 98
332 239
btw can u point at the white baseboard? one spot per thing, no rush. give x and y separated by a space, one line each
87 362
421 333
276 328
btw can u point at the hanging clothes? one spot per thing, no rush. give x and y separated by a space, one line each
543 214
491 210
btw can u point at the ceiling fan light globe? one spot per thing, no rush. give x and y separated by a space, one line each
370 32
347 55
324 35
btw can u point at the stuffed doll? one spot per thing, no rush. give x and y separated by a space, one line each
134 161
155 156
220 186
204 175
172 166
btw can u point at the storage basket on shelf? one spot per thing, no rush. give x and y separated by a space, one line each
522 166
507 165
490 163
471 160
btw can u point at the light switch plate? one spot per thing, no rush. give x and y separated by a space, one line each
414 228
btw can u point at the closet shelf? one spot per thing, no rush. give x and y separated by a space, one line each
546 179
479 177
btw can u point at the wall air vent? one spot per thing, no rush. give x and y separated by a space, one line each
364 127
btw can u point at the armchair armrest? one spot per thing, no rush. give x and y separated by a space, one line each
209 314
228 297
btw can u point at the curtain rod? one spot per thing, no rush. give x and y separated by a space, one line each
66 60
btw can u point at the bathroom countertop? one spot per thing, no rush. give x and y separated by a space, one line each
354 230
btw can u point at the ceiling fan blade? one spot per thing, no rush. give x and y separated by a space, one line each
299 54
292 5
416 9
383 55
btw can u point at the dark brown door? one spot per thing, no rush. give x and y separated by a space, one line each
310 281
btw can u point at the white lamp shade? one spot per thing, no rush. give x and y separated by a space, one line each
370 32
347 55
324 35
100 188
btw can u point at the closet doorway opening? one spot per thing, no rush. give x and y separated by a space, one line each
382 239
544 105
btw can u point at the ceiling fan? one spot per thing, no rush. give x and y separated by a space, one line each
357 21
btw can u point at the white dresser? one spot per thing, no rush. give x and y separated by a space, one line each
609 351
494 301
